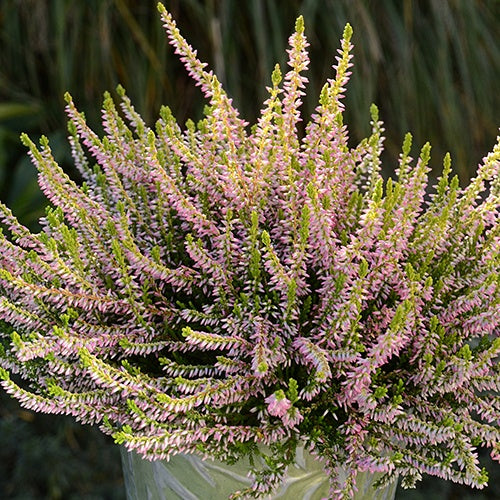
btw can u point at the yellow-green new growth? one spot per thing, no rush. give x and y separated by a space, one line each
299 25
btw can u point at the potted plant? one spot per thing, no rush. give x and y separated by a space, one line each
260 295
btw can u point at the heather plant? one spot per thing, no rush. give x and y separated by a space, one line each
228 290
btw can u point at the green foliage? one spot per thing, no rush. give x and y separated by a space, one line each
445 108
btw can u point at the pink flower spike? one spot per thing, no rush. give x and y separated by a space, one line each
278 404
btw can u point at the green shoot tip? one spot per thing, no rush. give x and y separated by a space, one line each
299 25
4 374
425 153
347 32
186 331
276 75
120 90
407 143
447 162
26 141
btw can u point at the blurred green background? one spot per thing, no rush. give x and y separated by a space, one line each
432 67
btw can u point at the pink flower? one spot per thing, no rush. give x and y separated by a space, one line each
292 418
278 404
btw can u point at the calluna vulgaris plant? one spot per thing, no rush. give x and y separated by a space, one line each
211 288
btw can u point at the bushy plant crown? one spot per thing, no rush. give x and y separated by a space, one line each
212 287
